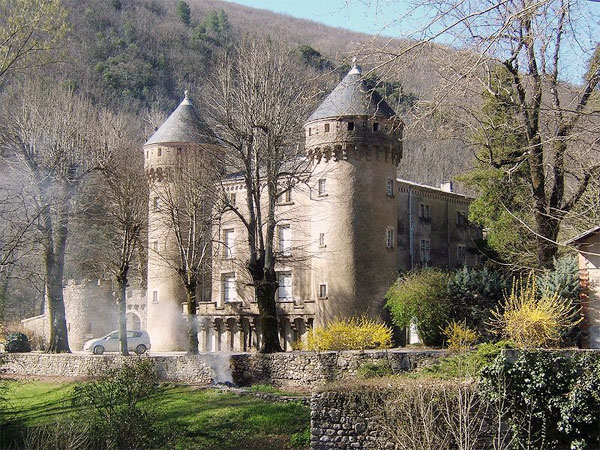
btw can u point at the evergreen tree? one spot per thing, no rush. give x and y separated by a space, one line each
183 12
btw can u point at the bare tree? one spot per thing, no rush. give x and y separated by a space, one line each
29 30
258 100
559 123
123 213
188 208
46 136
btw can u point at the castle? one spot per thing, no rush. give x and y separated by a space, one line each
341 239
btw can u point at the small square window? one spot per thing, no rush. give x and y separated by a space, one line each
425 251
461 255
229 244
350 126
326 128
389 238
323 290
285 240
285 287
229 288
390 187
375 127
322 190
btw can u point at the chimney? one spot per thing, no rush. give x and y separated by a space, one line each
446 186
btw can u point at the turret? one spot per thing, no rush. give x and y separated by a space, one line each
184 131
354 141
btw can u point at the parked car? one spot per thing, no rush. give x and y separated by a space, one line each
137 341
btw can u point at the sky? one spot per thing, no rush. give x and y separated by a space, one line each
378 17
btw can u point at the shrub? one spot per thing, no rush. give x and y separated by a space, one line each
474 293
112 407
464 365
62 435
301 439
459 337
349 334
377 369
533 321
421 296
549 400
564 279
17 342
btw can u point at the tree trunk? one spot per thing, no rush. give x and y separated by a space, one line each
122 282
192 307
547 248
265 290
58 339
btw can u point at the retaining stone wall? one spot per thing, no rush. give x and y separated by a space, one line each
292 368
341 420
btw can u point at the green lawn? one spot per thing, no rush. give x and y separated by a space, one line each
194 418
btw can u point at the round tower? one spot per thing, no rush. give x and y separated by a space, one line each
184 131
354 141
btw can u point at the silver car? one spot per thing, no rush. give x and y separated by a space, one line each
137 341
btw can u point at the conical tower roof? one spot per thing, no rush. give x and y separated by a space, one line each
352 97
183 125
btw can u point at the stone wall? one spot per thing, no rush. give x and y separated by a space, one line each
342 420
292 368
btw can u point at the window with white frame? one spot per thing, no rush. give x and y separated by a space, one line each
228 243
425 251
285 196
285 240
322 290
461 254
389 238
154 296
285 286
424 212
322 189
389 187
229 287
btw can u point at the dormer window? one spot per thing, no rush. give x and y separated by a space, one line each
326 128
350 126
375 127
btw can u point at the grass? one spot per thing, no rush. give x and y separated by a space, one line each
194 418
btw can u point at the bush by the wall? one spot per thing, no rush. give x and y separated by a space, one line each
113 410
376 369
530 320
348 334
474 293
548 400
421 296
17 342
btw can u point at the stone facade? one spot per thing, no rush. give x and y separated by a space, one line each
291 369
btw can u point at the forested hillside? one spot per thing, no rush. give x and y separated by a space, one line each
141 55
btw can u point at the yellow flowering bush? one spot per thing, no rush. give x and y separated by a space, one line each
348 334
459 337
532 320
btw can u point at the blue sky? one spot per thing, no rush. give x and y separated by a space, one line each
375 16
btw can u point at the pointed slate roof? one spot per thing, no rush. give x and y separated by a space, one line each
183 125
352 97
